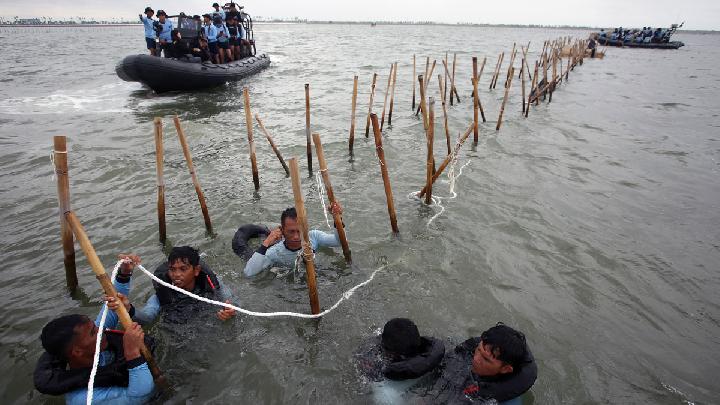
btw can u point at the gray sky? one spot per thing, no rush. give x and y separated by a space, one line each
699 14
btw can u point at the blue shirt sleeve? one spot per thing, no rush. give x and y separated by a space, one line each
320 239
149 312
111 320
138 391
257 263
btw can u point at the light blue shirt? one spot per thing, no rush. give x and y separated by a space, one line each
223 28
141 385
148 24
166 32
278 254
221 13
210 33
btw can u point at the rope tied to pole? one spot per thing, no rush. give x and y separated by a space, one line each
322 192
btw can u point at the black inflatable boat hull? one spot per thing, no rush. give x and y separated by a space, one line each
649 45
166 74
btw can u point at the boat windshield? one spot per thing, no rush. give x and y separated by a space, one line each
189 28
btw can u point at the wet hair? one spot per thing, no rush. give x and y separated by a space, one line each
288 213
59 333
506 344
401 336
185 254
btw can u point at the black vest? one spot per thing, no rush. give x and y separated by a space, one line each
177 307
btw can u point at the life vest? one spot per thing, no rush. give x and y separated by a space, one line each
180 308
52 377
375 366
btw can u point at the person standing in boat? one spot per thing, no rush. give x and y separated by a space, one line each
210 32
149 30
284 243
235 31
223 39
164 28
218 11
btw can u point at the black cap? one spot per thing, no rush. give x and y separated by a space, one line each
215 5
196 17
206 15
148 9
161 12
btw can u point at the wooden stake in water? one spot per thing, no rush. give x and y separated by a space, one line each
193 175
427 82
505 98
307 251
272 144
452 81
108 288
331 196
449 158
446 77
63 189
413 80
523 86
430 157
351 140
384 172
307 127
160 178
445 118
392 93
423 106
387 93
533 90
372 96
475 100
251 141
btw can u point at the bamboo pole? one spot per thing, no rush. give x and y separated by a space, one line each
339 225
449 158
427 82
160 178
445 118
251 141
193 175
523 85
475 100
492 78
452 81
554 75
505 98
372 95
63 189
497 76
384 172
108 288
272 144
351 140
307 128
423 106
513 53
429 162
387 93
304 232
532 89
447 75
392 94
413 80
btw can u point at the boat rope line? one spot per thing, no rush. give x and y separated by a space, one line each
345 296
437 201
98 340
322 192
52 162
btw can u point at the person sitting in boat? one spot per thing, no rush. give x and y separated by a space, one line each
497 365
283 245
179 48
202 51
210 33
603 34
149 29
398 359
223 39
218 11
184 270
236 35
69 341
164 29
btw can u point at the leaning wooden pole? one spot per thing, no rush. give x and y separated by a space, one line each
387 94
272 144
413 80
63 188
251 141
193 175
384 172
533 90
108 288
475 100
351 139
392 93
452 81
450 157
160 179
307 128
422 106
372 96
430 157
523 85
337 218
304 232
505 98
445 118
446 77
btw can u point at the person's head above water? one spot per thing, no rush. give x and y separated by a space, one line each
72 338
400 336
502 350
183 267
290 228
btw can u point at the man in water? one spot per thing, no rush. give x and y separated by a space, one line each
497 365
149 29
184 270
272 253
69 342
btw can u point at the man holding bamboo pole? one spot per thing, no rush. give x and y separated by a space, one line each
284 243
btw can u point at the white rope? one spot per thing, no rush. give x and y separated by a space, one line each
437 201
98 340
322 192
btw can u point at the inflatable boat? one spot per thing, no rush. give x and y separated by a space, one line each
649 45
168 74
